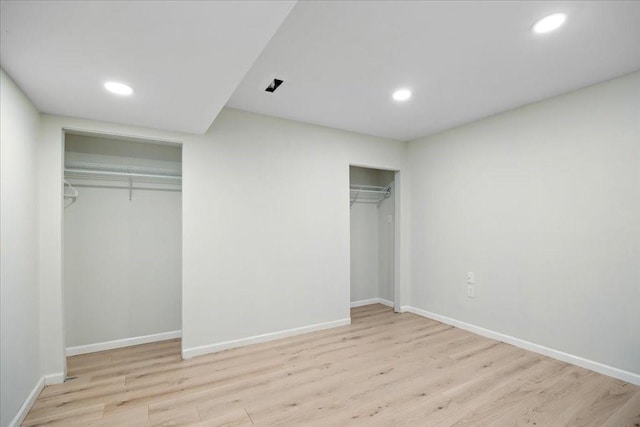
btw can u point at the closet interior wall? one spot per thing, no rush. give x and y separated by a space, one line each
122 247
372 238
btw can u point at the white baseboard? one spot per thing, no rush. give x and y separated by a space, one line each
188 353
57 378
28 403
126 342
371 301
621 374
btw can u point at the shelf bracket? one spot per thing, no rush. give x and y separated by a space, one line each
355 197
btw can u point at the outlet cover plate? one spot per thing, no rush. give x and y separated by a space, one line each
470 292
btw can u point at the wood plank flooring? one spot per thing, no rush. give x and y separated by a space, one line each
385 369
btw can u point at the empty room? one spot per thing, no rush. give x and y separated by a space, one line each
320 213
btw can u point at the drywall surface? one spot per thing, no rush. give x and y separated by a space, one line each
122 151
265 210
365 282
386 238
122 258
266 225
372 239
543 205
367 176
20 368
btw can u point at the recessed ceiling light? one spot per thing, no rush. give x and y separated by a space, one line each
402 94
118 88
549 23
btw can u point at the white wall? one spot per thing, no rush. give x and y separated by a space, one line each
543 204
386 238
123 260
124 152
372 239
265 224
20 368
275 253
365 251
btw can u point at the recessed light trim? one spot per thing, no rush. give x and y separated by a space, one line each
549 23
402 95
118 88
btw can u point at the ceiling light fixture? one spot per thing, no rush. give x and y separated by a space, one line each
118 88
402 95
549 23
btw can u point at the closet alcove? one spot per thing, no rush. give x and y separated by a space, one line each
372 210
122 242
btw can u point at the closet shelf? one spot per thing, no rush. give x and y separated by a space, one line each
368 194
79 170
158 179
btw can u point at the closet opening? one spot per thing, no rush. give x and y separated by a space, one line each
122 242
372 225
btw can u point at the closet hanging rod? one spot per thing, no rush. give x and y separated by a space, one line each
367 202
119 187
379 187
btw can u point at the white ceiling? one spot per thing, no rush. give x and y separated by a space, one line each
183 59
340 60
464 60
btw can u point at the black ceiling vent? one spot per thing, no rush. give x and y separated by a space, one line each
275 84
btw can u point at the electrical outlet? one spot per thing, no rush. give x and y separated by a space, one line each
471 278
470 292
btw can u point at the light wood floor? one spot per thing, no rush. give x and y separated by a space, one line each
385 369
